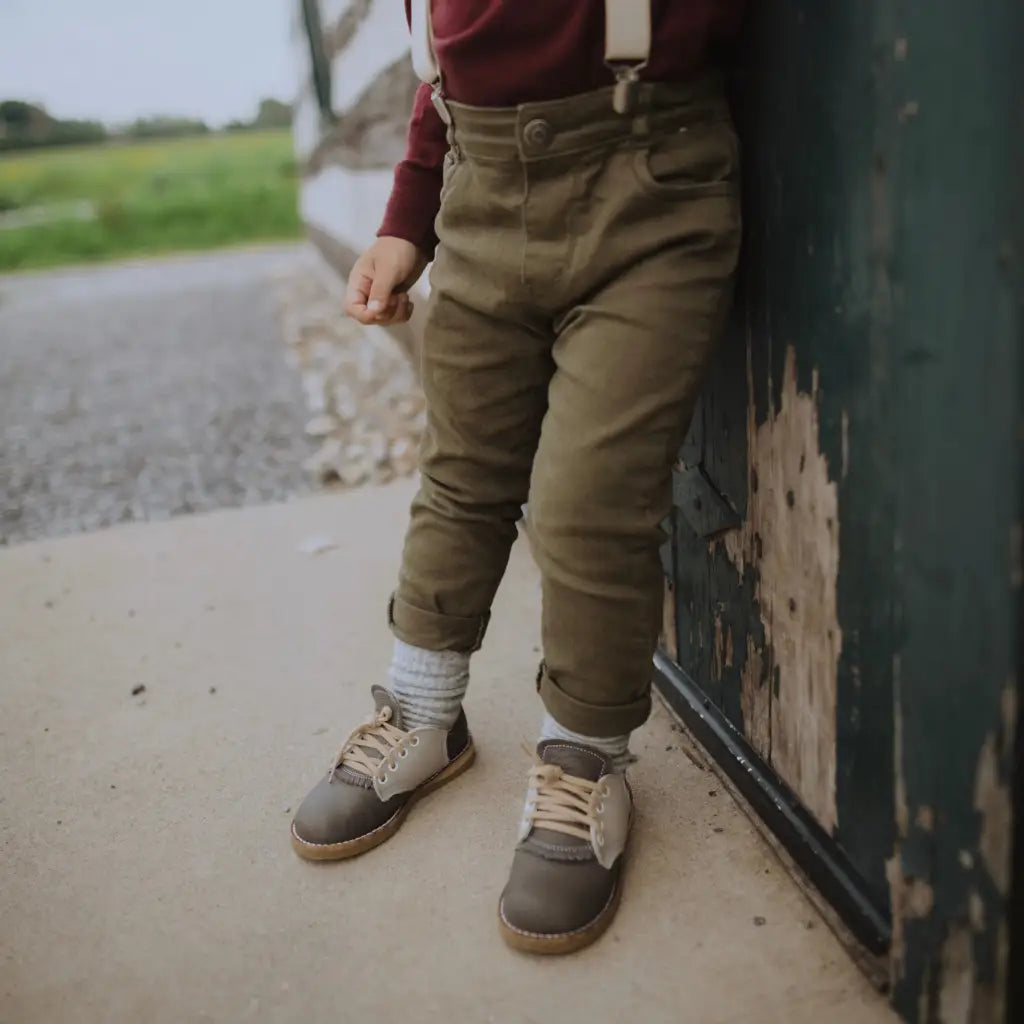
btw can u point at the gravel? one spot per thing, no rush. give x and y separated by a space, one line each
146 390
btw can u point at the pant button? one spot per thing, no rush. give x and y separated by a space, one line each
538 134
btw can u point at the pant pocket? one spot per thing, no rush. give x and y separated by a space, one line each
690 163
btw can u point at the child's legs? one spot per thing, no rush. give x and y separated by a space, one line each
485 375
630 362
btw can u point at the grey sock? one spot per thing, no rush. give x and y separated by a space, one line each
429 685
616 748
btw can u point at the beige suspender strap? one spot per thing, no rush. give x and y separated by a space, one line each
627 47
424 62
627 31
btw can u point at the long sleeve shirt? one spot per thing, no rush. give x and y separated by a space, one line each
500 53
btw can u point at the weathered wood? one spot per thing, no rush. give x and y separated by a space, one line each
701 503
668 642
881 307
791 537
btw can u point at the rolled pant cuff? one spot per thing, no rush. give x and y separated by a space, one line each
591 719
433 631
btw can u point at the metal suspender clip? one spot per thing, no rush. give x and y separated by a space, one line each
437 98
627 81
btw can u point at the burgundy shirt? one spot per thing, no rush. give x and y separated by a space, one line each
500 53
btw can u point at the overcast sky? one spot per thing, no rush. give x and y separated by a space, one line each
115 60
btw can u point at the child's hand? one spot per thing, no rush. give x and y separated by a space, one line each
378 287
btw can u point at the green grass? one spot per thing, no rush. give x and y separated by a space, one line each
150 197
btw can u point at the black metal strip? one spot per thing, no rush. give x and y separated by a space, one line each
319 60
814 851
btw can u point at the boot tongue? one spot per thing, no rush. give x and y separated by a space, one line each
382 699
584 763
574 759
386 699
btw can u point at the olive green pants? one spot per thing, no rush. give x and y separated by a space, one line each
581 281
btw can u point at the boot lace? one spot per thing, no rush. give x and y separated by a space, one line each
562 803
371 744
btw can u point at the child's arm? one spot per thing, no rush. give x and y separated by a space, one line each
378 287
416 194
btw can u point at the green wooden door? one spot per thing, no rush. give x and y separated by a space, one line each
843 627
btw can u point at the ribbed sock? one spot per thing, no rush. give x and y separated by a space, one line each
616 748
429 685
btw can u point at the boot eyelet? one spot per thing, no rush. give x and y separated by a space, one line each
393 766
415 741
382 779
404 753
600 807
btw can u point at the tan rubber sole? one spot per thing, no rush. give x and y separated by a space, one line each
382 833
569 942
564 942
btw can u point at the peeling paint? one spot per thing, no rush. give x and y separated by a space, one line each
900 788
755 701
716 650
912 898
920 898
992 802
908 111
967 983
893 872
924 819
794 514
897 904
721 653
669 638
976 911
956 983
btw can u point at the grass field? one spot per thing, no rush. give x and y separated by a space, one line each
67 205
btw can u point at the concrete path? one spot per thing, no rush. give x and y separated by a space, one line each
136 391
146 869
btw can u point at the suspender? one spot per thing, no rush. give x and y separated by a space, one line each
627 45
424 62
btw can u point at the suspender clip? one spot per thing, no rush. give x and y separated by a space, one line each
437 98
627 85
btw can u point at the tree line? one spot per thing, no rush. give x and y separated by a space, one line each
26 125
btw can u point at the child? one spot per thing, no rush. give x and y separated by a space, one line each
577 161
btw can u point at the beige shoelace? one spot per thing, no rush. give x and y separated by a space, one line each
371 744
563 803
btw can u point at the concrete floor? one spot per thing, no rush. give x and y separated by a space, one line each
146 869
